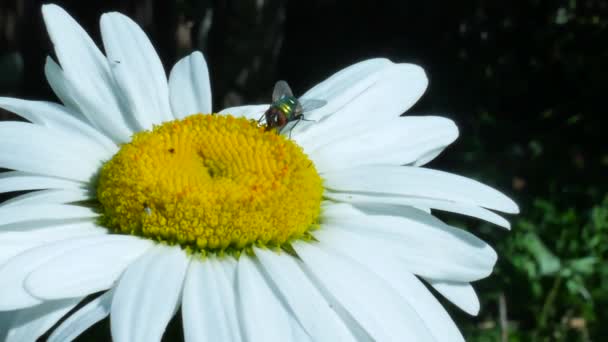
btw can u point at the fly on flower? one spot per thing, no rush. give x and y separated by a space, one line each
286 108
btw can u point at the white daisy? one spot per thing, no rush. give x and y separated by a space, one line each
324 236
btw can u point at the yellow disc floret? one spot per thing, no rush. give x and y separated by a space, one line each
210 183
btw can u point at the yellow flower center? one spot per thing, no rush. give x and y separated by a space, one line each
211 183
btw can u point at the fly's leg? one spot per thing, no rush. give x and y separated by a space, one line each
260 119
299 118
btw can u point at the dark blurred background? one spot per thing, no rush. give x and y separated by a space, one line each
524 80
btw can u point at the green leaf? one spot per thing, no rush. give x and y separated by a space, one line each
585 266
547 262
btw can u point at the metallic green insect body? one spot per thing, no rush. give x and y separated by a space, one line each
286 107
281 112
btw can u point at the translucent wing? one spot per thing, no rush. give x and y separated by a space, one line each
281 89
312 104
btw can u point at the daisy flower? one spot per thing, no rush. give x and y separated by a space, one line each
146 203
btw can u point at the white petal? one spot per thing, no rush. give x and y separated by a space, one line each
84 318
57 117
29 324
137 69
263 316
35 226
393 90
61 87
252 112
88 72
96 269
52 196
148 294
429 248
32 148
24 213
14 272
425 217
426 306
306 302
371 302
418 182
202 307
209 309
428 156
398 203
298 334
189 87
343 86
15 242
20 181
228 293
55 233
396 142
461 294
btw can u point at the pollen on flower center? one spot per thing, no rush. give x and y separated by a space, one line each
210 183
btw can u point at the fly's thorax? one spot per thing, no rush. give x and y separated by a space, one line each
287 105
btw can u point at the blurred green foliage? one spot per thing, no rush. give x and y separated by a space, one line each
553 272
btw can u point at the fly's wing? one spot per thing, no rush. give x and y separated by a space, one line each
281 89
311 104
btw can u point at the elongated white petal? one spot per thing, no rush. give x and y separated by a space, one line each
97 268
343 86
397 203
429 249
88 72
209 309
253 112
401 85
61 87
428 307
15 242
64 120
52 196
411 290
397 142
36 225
137 69
228 292
29 324
7 251
20 181
14 272
189 88
429 261
364 295
421 217
263 316
84 318
298 334
310 308
461 294
148 294
418 182
202 306
24 213
428 156
32 148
